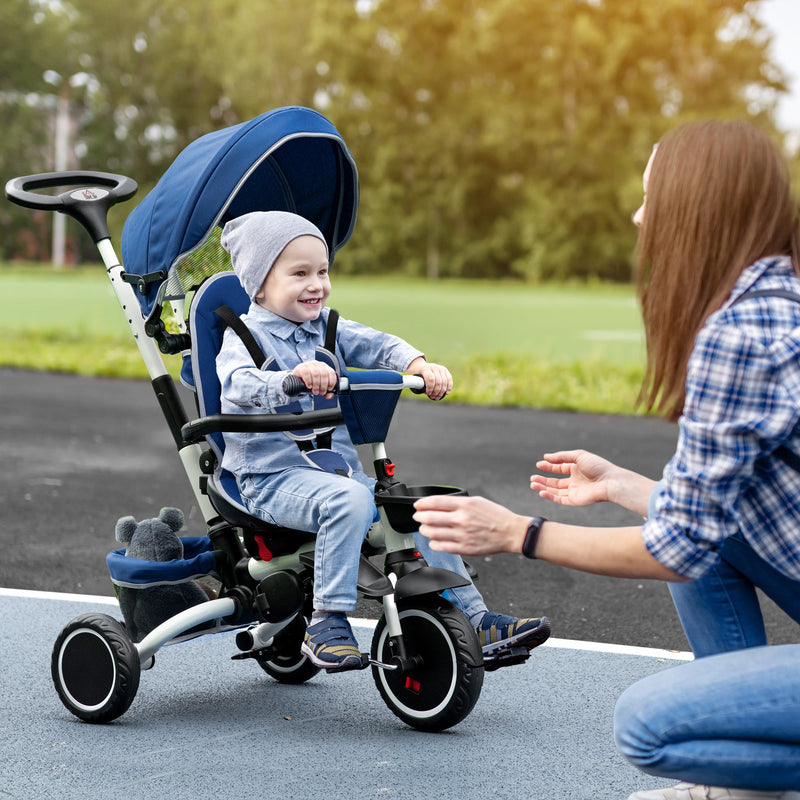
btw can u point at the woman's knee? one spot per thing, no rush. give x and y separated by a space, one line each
634 733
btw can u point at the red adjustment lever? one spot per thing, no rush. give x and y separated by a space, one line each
264 553
389 469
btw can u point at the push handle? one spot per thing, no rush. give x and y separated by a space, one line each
88 203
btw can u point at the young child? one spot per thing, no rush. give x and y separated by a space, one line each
281 260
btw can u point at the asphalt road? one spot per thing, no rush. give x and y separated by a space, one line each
78 453
202 725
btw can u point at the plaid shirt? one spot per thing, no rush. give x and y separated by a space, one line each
742 402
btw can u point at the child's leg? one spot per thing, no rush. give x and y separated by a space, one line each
466 598
340 510
496 632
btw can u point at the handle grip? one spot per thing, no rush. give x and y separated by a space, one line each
293 386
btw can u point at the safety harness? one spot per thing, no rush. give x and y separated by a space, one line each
314 444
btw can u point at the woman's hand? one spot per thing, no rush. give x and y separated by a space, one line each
587 478
470 525
591 479
318 377
475 526
438 380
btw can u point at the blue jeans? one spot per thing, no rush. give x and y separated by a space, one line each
726 720
721 612
341 511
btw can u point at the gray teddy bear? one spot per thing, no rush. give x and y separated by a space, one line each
154 540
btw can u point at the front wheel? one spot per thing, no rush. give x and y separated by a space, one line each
95 668
444 688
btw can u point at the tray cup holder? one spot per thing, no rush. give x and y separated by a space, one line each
399 504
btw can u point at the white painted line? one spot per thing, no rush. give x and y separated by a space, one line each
619 649
565 644
64 596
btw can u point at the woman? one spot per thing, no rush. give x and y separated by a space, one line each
718 221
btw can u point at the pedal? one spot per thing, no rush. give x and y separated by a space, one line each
365 662
383 665
261 654
506 658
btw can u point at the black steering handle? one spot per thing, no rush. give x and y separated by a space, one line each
90 196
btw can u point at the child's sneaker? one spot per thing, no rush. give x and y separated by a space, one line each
498 632
693 791
330 644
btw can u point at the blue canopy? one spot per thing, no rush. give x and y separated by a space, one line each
287 159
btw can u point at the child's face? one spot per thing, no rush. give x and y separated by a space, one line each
298 285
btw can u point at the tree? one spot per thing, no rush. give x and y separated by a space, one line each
494 138
30 50
507 139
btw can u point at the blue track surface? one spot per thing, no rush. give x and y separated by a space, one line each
203 726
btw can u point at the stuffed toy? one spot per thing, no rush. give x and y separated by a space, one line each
154 540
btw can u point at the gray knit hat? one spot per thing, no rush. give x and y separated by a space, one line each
256 240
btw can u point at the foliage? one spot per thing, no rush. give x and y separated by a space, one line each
530 349
494 138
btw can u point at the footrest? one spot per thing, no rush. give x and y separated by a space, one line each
506 658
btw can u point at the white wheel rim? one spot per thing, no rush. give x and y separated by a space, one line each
415 712
72 699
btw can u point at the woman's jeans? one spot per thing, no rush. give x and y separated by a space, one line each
721 611
726 720
341 511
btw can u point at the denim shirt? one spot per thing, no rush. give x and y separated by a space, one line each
247 389
742 402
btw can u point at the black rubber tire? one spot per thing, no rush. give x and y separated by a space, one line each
444 690
95 668
288 664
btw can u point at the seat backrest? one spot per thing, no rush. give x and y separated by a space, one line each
207 330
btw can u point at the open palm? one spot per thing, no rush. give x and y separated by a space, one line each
586 480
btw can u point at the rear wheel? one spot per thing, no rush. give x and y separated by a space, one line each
286 663
95 668
443 689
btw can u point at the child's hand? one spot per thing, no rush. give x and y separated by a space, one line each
319 378
438 380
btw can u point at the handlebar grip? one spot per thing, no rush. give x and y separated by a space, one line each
293 386
421 389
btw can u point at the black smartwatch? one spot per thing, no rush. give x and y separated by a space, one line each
532 536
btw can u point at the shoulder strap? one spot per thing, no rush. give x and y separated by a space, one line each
789 457
787 295
325 439
227 315
330 331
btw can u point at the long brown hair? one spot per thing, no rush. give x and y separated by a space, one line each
718 199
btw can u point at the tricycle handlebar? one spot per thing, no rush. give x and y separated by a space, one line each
89 203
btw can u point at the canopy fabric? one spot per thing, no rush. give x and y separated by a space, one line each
287 159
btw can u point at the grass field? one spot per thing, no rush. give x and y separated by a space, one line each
567 347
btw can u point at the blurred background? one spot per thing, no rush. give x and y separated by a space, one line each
500 146
494 138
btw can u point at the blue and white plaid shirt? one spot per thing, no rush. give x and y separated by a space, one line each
742 402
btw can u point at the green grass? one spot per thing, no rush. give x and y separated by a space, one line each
566 347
